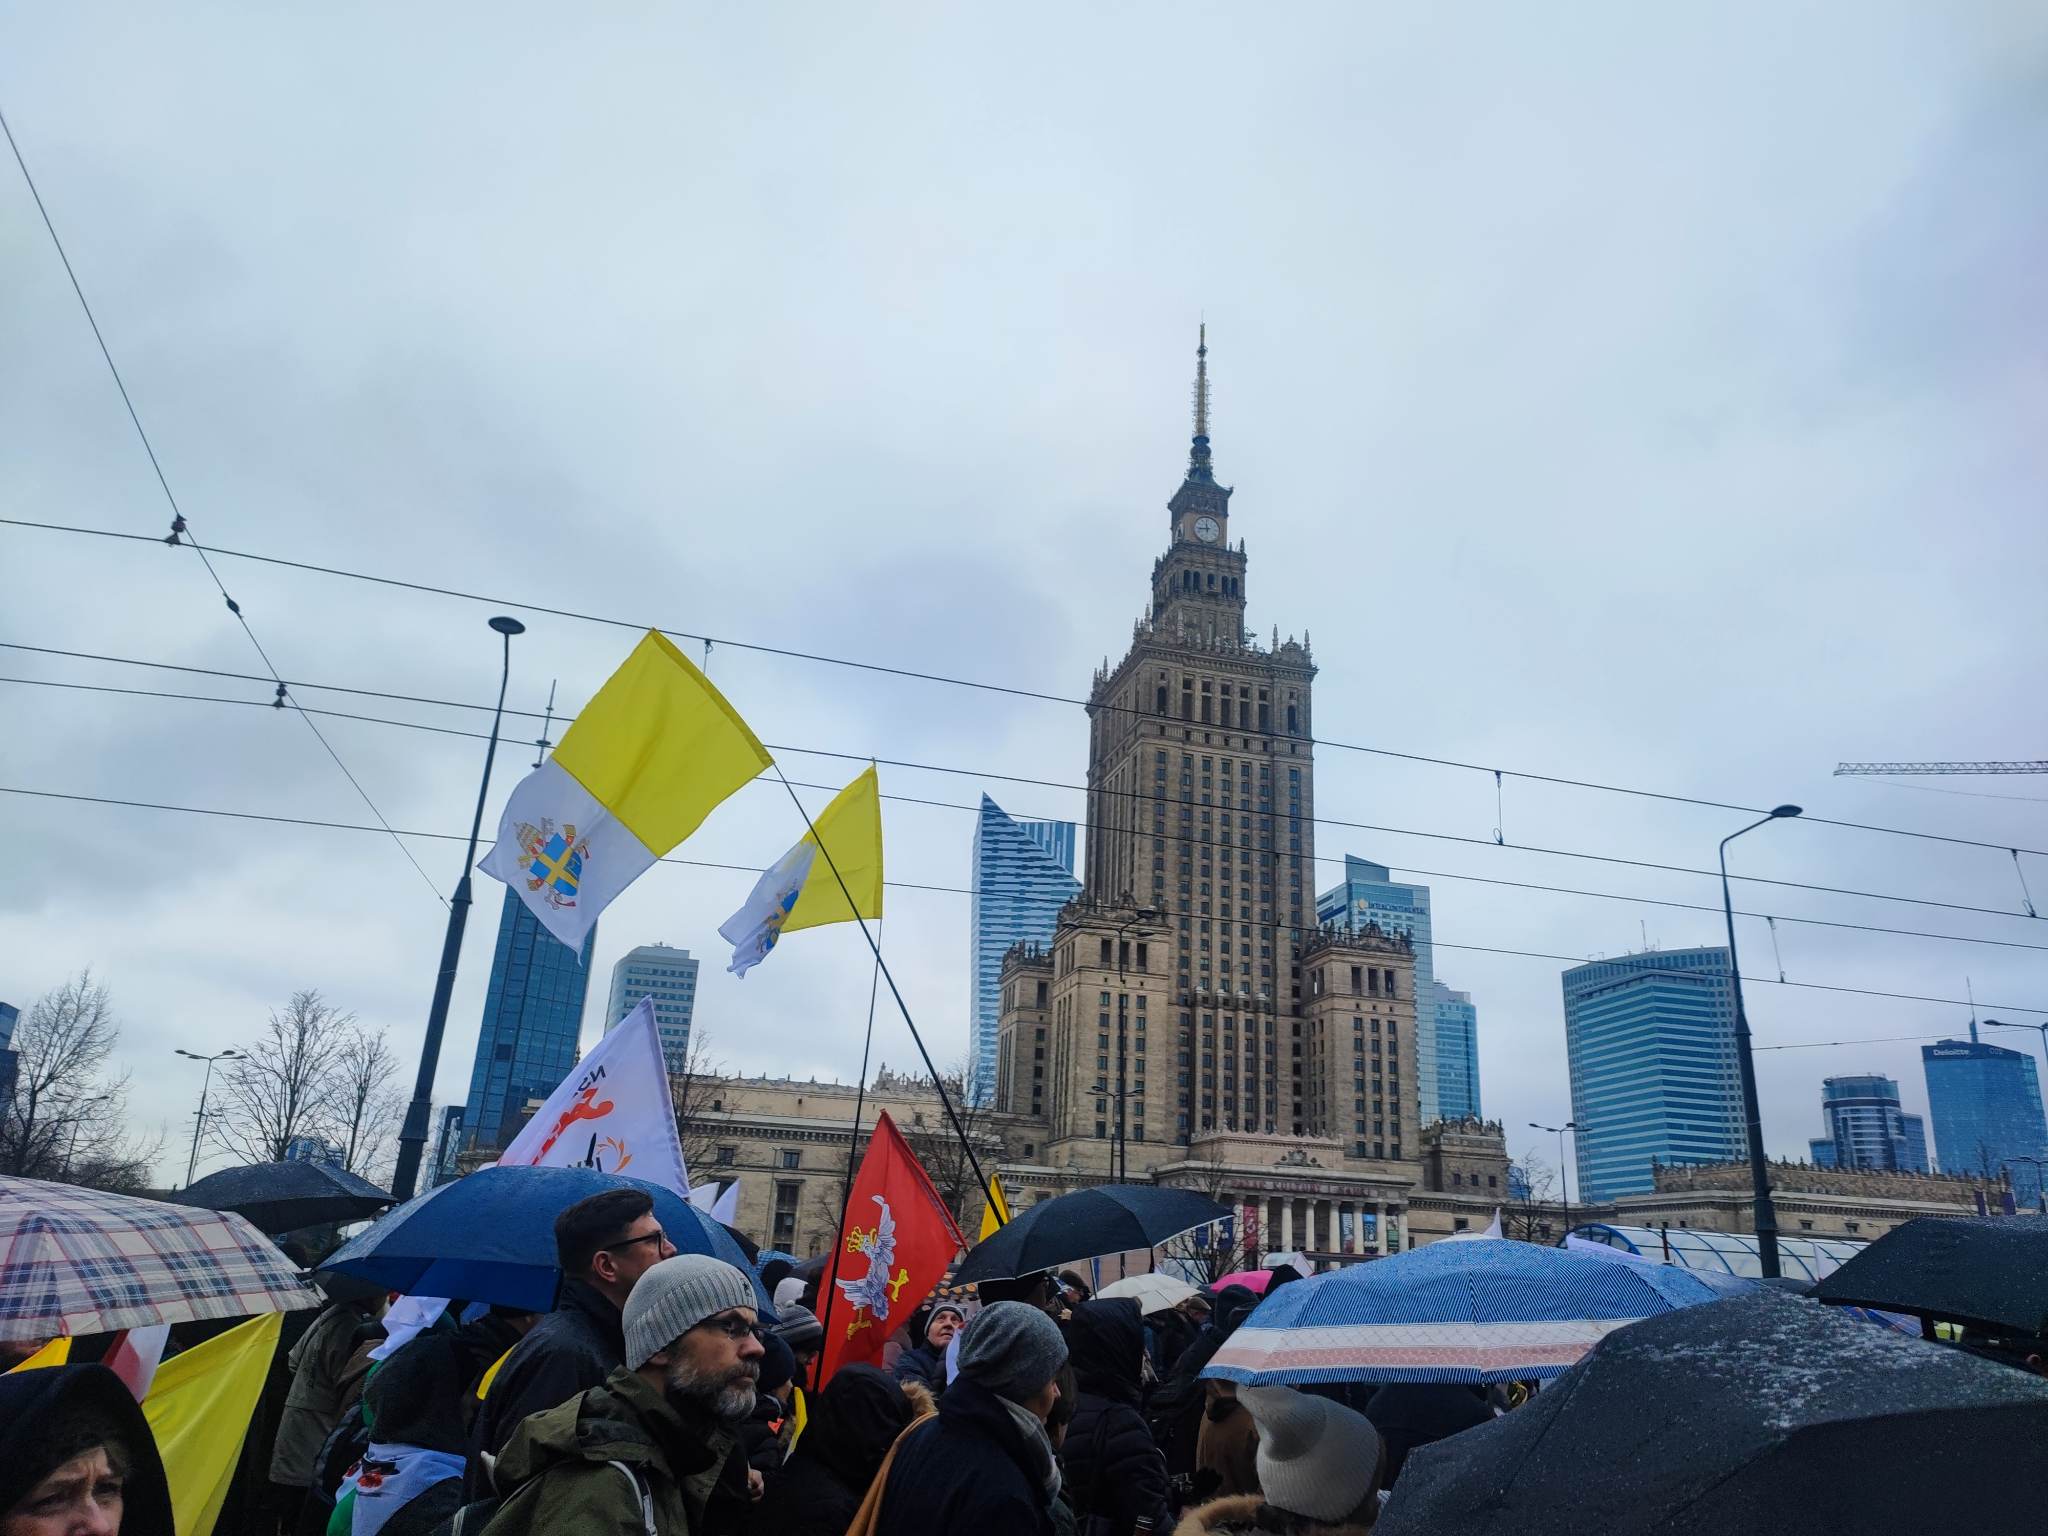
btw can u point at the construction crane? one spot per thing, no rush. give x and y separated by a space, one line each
1874 770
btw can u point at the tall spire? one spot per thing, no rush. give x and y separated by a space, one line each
1198 455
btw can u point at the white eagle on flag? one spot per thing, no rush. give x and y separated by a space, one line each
875 1289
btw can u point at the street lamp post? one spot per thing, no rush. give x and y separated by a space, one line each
412 1139
1563 1174
1123 1005
71 1149
1759 1173
199 1117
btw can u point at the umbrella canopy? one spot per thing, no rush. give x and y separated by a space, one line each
1153 1293
1467 1312
282 1197
82 1261
491 1236
1110 1218
1253 1280
1758 1412
1987 1270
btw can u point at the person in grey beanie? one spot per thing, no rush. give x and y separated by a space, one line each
982 1465
1319 1466
643 1452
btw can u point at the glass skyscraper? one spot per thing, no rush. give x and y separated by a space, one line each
1370 894
1650 1040
1986 1104
669 976
1457 1053
1866 1127
1023 875
533 1016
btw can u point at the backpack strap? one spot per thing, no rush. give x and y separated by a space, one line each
643 1493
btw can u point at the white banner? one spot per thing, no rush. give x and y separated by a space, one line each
612 1113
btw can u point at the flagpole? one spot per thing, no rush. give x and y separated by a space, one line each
945 1099
831 1274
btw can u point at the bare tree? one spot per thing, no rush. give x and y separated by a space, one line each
703 1097
65 1118
367 1107
1210 1253
284 1086
1534 1215
938 1146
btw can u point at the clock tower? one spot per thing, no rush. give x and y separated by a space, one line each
1198 584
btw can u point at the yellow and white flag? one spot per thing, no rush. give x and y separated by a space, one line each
653 754
801 890
995 1211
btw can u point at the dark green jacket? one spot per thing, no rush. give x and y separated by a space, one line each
556 1477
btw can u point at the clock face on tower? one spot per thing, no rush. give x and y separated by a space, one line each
1206 529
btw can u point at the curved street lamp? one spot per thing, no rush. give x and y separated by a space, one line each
1759 1172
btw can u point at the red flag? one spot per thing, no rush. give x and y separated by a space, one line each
899 1239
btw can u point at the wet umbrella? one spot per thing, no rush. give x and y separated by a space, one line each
1991 1271
282 1197
491 1236
1759 1412
1110 1218
1454 1312
1153 1292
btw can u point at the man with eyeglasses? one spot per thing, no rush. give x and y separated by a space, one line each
643 1452
605 1245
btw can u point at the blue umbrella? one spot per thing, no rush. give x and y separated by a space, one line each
491 1236
1460 1312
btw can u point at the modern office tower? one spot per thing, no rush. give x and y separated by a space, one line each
1457 1053
1370 894
1867 1128
669 976
1023 875
1985 1102
533 1018
1650 1040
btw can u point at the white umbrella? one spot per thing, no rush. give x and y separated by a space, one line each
1153 1292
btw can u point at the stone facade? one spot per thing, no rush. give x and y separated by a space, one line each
1856 1203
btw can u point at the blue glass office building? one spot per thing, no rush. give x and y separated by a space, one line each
1866 1127
1986 1105
1023 875
1370 894
1650 1040
1457 1053
533 1016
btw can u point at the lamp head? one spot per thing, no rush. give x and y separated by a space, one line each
1785 810
506 625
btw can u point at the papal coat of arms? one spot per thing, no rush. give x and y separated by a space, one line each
555 859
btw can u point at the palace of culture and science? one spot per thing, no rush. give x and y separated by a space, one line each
1188 999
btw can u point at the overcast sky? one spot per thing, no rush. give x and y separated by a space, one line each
1652 399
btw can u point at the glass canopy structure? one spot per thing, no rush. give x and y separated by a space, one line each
1731 1253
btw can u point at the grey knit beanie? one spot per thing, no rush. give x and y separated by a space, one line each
799 1327
675 1296
1316 1458
1012 1349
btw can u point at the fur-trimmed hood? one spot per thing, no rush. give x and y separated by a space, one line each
1239 1516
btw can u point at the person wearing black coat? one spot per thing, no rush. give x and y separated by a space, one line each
853 1423
925 1361
1175 1412
65 1429
982 1465
1115 1474
1412 1413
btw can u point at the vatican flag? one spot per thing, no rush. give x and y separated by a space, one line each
653 754
801 890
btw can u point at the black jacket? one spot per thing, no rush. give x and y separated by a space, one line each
925 1366
971 1470
1175 1413
853 1423
40 1412
572 1349
1114 1471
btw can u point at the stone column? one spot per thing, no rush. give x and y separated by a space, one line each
1379 1226
1358 1227
1287 1223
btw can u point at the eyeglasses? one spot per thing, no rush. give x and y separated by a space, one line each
734 1327
657 1237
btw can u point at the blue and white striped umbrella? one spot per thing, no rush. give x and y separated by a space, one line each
1451 1312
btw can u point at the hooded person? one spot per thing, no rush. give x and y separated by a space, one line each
80 1457
1319 1472
764 1433
1412 1413
982 1465
319 1363
925 1361
854 1421
1175 1412
1115 1475
417 1405
643 1451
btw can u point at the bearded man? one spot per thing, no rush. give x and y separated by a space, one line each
643 1451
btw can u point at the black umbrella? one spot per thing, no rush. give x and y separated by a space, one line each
281 1197
1758 1413
1111 1218
1988 1270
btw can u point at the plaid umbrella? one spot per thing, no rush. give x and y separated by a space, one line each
78 1261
